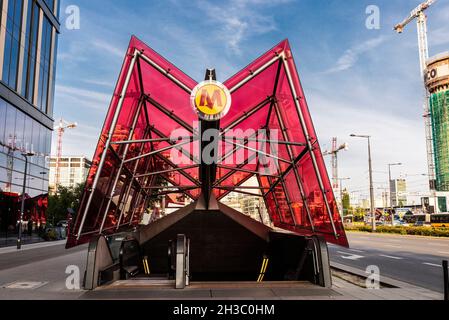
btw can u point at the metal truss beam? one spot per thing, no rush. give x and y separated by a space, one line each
246 115
296 99
166 73
295 170
148 140
284 187
170 114
259 152
238 184
174 146
120 169
240 166
242 192
170 187
182 150
242 187
288 143
181 171
245 170
253 74
123 202
109 139
165 171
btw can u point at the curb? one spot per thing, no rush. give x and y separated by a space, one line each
398 235
32 246
360 273
395 284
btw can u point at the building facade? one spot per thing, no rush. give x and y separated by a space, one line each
251 206
398 192
28 47
73 171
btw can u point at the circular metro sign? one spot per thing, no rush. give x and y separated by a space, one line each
211 100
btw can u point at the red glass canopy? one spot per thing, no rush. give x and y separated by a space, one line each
150 116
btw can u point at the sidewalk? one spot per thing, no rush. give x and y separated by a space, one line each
32 246
11 240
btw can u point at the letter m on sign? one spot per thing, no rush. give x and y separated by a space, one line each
211 101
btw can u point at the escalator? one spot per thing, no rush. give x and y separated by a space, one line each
220 245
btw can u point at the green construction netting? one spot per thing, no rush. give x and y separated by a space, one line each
439 108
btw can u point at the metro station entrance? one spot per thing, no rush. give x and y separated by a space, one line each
166 135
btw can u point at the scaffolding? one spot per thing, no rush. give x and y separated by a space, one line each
439 108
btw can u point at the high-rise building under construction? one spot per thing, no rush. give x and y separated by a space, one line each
437 82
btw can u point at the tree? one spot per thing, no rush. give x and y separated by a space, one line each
359 214
346 202
64 199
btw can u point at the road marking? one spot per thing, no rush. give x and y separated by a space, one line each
25 285
349 256
432 264
355 250
391 257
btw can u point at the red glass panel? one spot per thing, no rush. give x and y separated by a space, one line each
157 103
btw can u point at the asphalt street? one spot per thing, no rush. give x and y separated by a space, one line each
415 260
40 273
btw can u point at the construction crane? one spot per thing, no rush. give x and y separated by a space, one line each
11 147
421 20
60 128
334 153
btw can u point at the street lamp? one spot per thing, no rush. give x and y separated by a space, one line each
19 237
390 193
371 186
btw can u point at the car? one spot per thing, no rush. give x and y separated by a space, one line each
400 223
419 224
62 224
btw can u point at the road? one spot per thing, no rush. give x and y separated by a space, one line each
40 273
415 260
409 259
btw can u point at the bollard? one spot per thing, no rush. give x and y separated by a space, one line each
446 280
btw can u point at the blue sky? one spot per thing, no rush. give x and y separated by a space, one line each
356 80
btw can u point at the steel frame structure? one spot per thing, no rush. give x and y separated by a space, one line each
152 98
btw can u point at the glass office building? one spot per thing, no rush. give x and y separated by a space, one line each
28 46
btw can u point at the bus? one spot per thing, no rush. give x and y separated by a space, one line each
416 218
440 220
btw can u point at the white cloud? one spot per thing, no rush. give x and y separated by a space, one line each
240 19
82 97
82 93
109 48
103 83
351 56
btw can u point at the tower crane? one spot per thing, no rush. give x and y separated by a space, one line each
60 128
334 153
421 21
